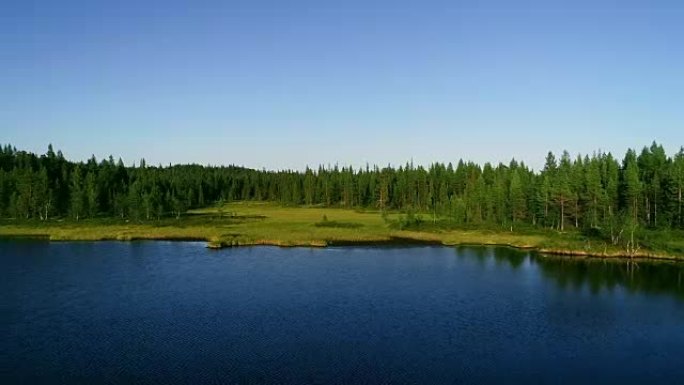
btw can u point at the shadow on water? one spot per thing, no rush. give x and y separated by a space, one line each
594 274
597 275
514 258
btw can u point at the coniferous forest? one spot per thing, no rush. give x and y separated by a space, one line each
598 192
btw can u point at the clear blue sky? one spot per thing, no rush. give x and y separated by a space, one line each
283 84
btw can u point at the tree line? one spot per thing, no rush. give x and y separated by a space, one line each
585 192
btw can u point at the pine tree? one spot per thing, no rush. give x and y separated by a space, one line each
593 191
44 195
3 190
678 177
77 194
133 201
631 185
562 192
516 198
120 204
91 195
24 202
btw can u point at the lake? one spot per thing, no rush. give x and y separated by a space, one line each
176 312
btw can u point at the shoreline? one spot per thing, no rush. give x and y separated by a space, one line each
390 241
269 224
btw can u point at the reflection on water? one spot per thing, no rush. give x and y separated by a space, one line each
647 277
594 274
177 313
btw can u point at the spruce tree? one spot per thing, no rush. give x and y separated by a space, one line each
77 195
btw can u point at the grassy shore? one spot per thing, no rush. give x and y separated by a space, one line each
251 223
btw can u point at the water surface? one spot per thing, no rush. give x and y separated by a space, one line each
163 312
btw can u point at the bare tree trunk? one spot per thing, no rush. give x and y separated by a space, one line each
562 216
546 209
47 208
655 209
680 207
635 208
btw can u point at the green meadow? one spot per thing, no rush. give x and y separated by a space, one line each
257 223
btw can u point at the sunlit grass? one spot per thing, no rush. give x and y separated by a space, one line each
256 223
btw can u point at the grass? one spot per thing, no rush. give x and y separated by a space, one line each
339 225
256 223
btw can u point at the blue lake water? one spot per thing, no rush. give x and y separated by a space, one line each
165 312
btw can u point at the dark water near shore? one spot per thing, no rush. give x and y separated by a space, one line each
162 312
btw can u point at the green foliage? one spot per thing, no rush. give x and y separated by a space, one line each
409 221
77 194
621 202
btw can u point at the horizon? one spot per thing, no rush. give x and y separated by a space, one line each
136 163
285 86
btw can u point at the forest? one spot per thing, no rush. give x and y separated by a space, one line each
598 193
